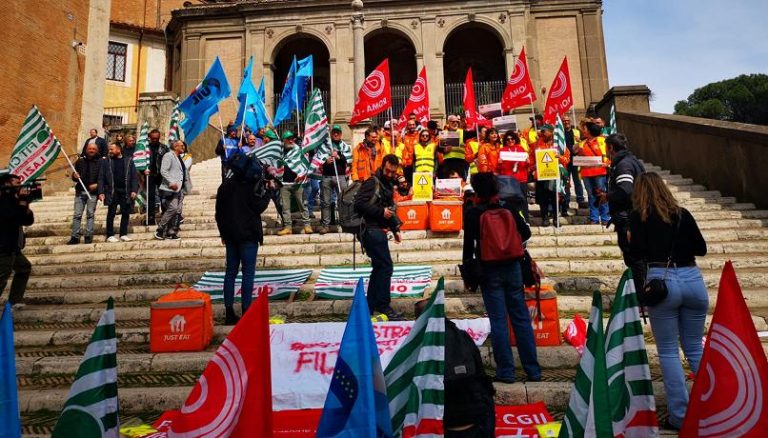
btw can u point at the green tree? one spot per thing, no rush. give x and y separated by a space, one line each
742 99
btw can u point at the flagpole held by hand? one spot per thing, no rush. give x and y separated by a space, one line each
72 166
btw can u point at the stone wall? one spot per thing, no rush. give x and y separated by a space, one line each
725 156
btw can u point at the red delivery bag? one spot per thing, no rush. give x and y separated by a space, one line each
181 321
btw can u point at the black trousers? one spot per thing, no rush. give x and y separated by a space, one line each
151 199
632 261
19 266
124 201
376 245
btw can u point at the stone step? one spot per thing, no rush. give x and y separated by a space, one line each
137 270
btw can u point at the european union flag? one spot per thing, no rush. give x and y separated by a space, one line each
357 404
293 95
10 423
202 103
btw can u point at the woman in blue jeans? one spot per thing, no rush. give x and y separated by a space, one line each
238 217
667 238
501 284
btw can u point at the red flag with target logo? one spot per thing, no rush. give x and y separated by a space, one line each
233 396
374 96
519 90
730 394
418 103
560 97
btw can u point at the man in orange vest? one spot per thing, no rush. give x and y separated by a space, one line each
594 178
367 156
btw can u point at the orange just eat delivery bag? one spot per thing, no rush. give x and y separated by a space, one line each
181 321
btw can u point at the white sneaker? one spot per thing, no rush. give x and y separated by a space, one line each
112 239
18 306
125 238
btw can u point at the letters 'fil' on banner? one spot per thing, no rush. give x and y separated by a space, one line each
547 166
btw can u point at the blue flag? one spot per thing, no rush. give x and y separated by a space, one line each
202 103
306 68
262 91
357 404
294 91
10 423
252 111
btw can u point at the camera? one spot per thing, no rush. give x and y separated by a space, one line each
30 191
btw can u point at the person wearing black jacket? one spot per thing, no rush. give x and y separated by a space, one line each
624 171
667 238
118 186
87 169
14 214
501 284
334 177
156 152
98 141
238 217
375 204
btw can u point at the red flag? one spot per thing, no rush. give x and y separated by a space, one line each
374 96
560 97
576 333
233 397
470 105
730 394
519 90
418 103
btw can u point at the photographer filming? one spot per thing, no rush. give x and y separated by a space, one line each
14 214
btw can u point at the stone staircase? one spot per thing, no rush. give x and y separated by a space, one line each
69 285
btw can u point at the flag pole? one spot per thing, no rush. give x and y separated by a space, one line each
533 114
80 180
146 200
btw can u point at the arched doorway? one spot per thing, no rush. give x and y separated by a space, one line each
388 43
301 46
480 47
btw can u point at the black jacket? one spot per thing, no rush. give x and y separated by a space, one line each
12 218
340 163
625 169
101 143
107 179
89 170
653 239
156 150
374 196
472 228
238 212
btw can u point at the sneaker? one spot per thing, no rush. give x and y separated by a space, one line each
112 239
159 235
307 229
393 315
88 239
323 230
564 213
181 221
125 238
73 241
18 306
583 204
172 237
285 231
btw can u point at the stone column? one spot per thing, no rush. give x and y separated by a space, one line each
92 110
359 43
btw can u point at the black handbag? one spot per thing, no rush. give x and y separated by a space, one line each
655 291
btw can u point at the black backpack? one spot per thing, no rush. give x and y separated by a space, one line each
248 168
467 387
349 219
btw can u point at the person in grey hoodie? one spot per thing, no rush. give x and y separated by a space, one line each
175 179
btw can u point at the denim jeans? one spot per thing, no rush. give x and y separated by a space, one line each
327 190
311 190
576 180
600 213
82 203
124 201
502 288
376 245
240 254
679 319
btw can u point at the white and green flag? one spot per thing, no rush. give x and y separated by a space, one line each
91 409
415 375
611 127
338 283
278 283
589 409
141 153
269 153
559 139
35 149
630 390
174 129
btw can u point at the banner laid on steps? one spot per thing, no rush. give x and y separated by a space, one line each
280 284
339 283
303 356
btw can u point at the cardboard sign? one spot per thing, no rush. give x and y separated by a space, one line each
448 187
505 123
422 186
449 138
491 110
547 166
513 156
582 161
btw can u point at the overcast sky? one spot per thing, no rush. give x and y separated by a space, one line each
676 46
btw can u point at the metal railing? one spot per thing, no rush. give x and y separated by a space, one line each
120 115
291 122
485 93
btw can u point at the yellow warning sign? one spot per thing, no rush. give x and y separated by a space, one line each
422 186
547 166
